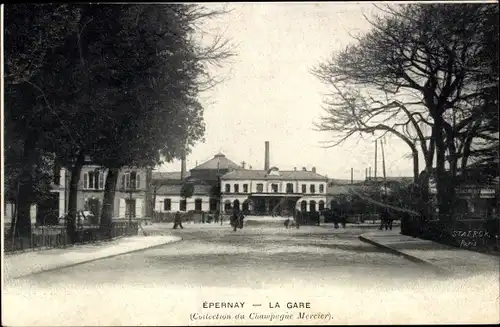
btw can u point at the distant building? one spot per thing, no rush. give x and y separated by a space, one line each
268 191
205 177
257 191
131 197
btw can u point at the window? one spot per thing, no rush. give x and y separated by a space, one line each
236 188
131 180
312 206
92 177
138 181
167 205
197 204
321 205
304 188
312 188
228 188
289 188
130 208
182 205
93 180
274 188
213 205
321 188
101 181
260 188
245 188
57 173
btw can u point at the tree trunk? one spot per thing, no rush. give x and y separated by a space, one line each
150 197
72 198
416 171
108 202
22 223
442 183
153 204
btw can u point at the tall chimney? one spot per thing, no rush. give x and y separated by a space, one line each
183 166
313 169
266 158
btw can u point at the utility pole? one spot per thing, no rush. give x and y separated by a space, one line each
383 167
375 172
352 175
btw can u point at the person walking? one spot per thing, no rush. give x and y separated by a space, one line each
390 219
178 220
241 216
235 218
384 218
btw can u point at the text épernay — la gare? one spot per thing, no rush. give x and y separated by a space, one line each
272 305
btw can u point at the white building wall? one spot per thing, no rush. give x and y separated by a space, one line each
175 201
62 192
267 186
308 199
9 209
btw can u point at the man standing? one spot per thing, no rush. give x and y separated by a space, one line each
384 219
234 218
178 220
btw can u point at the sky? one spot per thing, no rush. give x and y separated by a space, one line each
270 95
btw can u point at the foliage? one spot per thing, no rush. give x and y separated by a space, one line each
31 30
118 83
187 190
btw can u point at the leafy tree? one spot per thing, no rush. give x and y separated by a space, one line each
31 31
120 86
187 190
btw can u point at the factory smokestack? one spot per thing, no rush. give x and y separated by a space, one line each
266 158
183 166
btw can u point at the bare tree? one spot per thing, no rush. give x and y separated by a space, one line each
429 51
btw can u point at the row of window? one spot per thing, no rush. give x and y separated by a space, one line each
275 188
94 180
167 205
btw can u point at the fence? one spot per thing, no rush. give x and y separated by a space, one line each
56 236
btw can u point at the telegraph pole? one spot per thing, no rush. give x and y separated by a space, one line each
383 167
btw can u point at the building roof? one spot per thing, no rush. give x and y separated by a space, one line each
219 161
283 175
175 189
335 181
174 175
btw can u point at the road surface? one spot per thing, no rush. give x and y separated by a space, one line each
329 268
